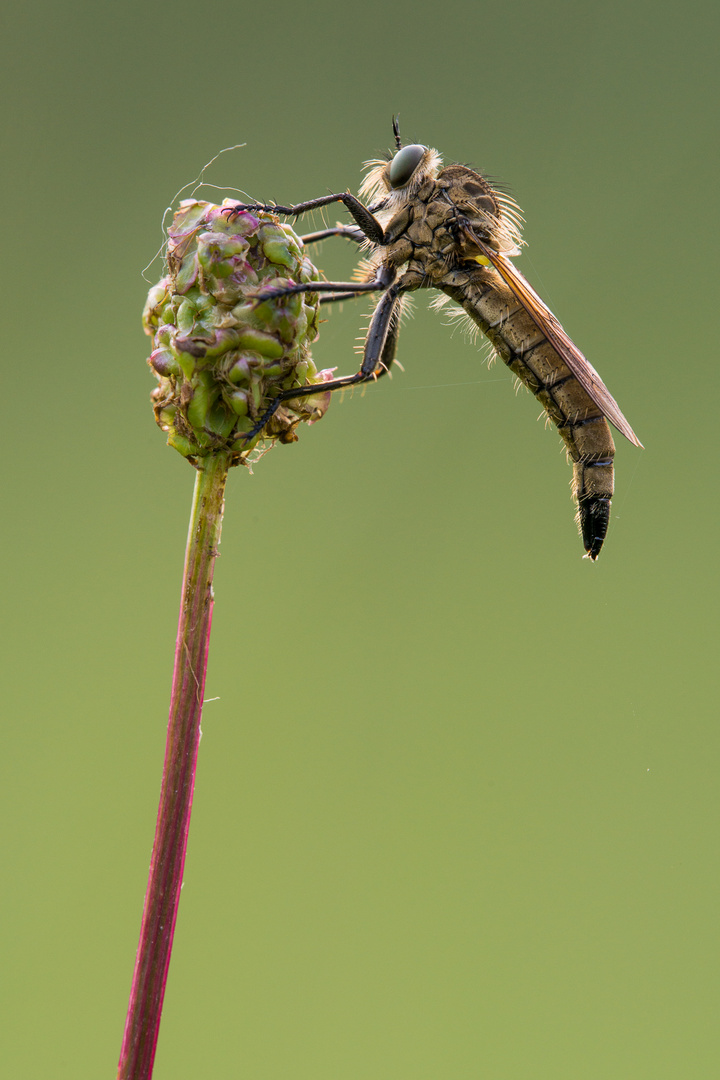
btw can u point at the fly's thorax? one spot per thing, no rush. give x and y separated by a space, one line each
431 228
424 231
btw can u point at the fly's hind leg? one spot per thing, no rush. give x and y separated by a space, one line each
379 354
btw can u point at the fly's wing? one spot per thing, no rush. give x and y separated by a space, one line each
569 353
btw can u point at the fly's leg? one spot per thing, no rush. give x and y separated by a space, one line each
380 346
342 289
336 298
366 222
382 336
351 232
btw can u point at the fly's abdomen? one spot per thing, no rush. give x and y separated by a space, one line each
521 344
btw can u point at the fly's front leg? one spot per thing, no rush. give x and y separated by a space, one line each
367 223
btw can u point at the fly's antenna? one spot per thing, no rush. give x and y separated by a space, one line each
396 132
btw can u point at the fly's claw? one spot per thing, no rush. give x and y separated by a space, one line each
249 208
234 211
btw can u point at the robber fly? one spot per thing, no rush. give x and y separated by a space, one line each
447 228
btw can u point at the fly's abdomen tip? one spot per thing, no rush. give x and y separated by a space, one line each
593 518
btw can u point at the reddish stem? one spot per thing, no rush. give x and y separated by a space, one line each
183 738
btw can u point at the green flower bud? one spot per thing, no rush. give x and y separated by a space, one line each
221 356
238 401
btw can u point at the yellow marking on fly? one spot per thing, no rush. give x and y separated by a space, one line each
482 260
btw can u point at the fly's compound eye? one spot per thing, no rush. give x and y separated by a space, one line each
404 164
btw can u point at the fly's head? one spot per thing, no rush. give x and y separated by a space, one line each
394 182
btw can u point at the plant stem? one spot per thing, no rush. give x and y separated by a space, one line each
183 738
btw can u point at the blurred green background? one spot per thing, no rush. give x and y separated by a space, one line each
456 808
